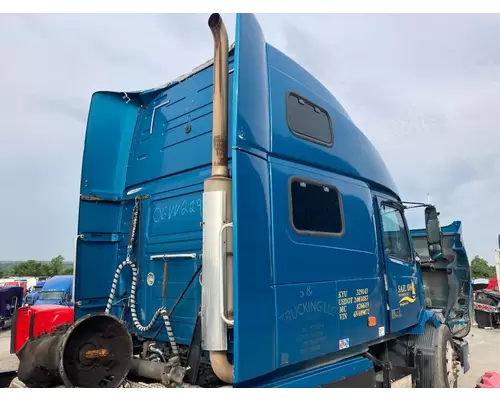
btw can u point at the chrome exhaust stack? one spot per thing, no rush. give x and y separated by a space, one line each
217 289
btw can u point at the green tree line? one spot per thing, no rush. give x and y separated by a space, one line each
481 269
37 268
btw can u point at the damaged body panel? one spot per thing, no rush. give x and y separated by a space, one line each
447 281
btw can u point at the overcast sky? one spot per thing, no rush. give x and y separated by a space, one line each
425 89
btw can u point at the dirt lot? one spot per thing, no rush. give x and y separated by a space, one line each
7 361
484 347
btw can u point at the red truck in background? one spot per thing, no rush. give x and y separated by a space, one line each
493 284
485 284
19 282
32 321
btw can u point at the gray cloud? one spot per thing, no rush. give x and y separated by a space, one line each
424 88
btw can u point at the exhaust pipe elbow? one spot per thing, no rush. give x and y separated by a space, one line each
220 98
221 366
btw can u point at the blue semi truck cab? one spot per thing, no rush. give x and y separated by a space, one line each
245 233
33 293
56 290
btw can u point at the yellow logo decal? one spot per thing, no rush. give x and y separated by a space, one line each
408 294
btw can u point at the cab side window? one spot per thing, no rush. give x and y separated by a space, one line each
396 240
308 121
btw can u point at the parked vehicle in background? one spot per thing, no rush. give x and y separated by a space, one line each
33 321
56 290
10 300
487 298
33 293
23 283
493 284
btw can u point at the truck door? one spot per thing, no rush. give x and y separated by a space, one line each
403 293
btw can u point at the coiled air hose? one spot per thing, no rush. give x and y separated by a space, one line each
160 312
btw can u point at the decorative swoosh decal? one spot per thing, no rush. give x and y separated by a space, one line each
408 299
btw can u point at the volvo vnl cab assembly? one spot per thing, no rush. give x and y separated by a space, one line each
237 229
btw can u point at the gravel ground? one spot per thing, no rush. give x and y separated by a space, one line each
484 350
7 361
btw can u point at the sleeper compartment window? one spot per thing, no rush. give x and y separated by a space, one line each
308 121
315 208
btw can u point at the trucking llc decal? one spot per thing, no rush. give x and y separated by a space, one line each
407 294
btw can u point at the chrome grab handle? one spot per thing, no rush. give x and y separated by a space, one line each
222 271
153 115
170 256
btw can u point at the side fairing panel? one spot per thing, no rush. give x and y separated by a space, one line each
110 130
254 333
105 155
251 127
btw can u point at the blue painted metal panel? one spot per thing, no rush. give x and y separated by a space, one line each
324 375
293 251
255 314
181 135
427 316
171 220
251 127
326 287
167 161
352 153
110 128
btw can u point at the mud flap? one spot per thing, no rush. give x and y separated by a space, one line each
462 347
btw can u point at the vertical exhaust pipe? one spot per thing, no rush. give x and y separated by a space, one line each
217 211
220 98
